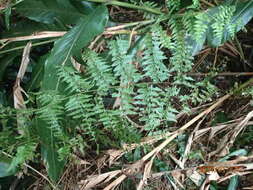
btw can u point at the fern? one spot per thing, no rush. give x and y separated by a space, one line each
127 73
153 58
75 83
195 4
123 62
79 104
173 6
153 107
109 118
51 111
181 61
115 125
223 20
200 26
203 92
100 71
24 153
163 36
151 5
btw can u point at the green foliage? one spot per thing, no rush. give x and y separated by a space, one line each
122 62
24 153
51 111
153 58
49 11
100 72
222 19
153 107
138 81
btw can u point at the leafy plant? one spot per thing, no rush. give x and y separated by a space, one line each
130 82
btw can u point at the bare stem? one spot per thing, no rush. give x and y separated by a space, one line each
128 5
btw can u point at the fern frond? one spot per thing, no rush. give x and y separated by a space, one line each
151 5
75 83
181 61
79 107
173 5
200 26
24 153
127 73
222 20
153 106
153 58
203 92
100 71
125 96
123 62
164 38
109 118
188 22
195 4
51 111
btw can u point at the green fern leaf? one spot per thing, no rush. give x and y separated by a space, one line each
153 58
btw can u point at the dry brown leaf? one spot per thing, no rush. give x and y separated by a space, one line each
229 138
37 35
101 162
84 162
76 65
116 182
19 102
114 155
212 176
183 159
178 162
173 184
179 177
146 174
93 181
117 103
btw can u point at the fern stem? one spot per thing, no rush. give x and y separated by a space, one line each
128 5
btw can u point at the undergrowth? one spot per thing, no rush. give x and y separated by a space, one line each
130 84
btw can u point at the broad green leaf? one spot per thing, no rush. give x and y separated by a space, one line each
27 27
49 11
70 44
83 6
243 14
48 151
37 74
